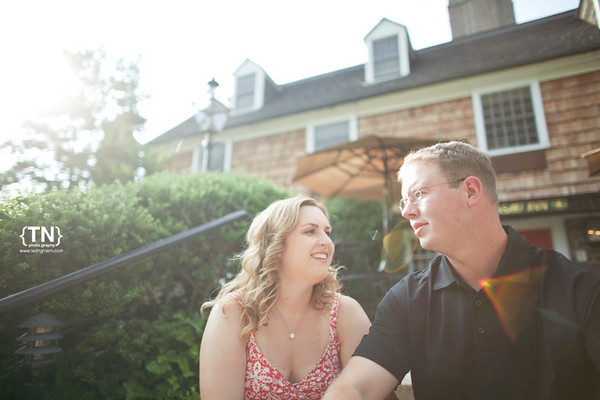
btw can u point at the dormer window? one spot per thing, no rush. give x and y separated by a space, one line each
389 52
251 85
245 91
386 61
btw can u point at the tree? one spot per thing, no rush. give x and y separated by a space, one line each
120 156
87 137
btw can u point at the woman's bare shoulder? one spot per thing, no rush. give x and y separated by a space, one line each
349 303
226 307
351 312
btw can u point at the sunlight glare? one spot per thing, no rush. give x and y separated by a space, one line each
515 297
32 84
399 245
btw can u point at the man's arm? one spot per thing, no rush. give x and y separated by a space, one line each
362 379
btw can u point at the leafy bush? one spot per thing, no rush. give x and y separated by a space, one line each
133 332
357 231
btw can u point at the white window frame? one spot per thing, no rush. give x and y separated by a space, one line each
396 58
227 155
383 30
251 94
249 68
539 117
310 130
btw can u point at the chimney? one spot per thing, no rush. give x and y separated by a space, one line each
469 17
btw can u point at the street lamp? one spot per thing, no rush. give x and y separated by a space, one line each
210 120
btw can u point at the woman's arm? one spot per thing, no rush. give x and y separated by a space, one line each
353 324
223 354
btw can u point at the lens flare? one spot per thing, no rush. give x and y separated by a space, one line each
178 147
399 247
515 297
556 317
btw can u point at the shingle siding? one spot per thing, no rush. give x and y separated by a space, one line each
574 127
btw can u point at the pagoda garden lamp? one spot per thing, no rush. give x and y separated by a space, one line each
40 342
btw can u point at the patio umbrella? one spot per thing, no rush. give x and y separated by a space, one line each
364 169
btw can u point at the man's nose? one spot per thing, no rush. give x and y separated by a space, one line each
409 210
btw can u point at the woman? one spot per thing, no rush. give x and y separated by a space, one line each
281 329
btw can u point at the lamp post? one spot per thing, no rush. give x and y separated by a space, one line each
210 120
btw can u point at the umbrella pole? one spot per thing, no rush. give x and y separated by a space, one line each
385 221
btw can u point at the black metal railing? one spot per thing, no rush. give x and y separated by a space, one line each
59 284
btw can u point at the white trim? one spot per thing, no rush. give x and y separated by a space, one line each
248 67
196 167
539 115
382 30
227 156
310 139
310 130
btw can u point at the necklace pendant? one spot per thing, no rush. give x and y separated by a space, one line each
292 335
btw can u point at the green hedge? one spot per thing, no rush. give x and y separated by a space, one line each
134 332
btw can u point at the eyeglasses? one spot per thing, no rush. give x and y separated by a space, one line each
417 195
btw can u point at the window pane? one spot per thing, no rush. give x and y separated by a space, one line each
509 119
331 134
216 157
385 57
245 91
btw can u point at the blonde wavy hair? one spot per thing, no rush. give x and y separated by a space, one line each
256 286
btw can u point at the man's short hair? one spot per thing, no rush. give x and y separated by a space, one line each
458 160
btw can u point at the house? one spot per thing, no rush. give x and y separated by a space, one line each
528 94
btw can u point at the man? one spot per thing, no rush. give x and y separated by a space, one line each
492 317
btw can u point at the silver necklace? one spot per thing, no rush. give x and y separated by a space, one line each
292 332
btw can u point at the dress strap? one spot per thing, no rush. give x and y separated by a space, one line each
237 298
335 305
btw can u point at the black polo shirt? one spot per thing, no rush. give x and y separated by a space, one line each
533 332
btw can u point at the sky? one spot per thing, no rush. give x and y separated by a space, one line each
182 44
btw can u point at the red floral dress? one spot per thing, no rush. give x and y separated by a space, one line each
265 382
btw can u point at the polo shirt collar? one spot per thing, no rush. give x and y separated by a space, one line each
444 276
516 261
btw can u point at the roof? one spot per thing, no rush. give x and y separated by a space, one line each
553 37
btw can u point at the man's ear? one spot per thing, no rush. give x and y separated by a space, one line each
474 189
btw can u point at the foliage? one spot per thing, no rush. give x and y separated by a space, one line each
133 359
120 156
357 232
133 332
356 225
87 135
